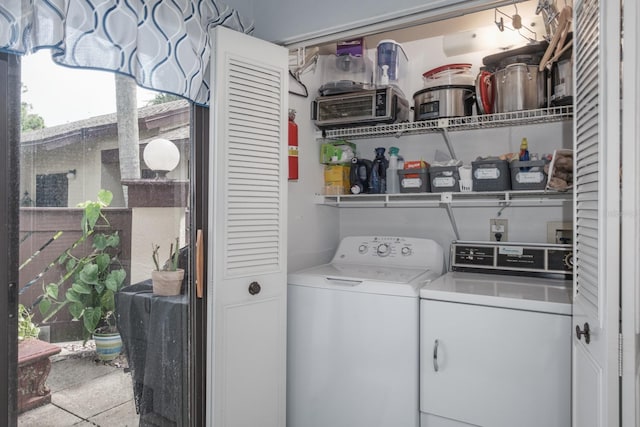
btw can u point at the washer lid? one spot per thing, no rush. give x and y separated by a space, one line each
523 293
364 278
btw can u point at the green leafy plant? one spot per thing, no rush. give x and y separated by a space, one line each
172 263
96 277
26 327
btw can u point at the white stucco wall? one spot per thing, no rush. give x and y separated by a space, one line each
158 226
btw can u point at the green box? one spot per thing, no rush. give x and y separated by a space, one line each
336 149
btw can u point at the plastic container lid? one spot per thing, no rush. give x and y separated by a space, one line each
450 74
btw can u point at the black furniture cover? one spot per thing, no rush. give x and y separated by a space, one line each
154 335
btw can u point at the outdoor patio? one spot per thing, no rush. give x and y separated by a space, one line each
85 392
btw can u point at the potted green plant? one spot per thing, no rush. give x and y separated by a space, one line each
96 277
167 280
34 363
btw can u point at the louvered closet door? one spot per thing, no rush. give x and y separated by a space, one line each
247 245
597 213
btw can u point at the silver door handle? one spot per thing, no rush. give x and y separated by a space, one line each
345 282
435 355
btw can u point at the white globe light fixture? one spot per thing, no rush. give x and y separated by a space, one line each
161 156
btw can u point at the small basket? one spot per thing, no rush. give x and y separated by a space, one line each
466 185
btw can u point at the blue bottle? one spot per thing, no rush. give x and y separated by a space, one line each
378 183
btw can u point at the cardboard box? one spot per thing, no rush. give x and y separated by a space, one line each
353 47
336 179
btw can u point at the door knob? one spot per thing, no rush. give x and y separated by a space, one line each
254 288
586 331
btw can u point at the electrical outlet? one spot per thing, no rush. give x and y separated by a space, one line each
498 230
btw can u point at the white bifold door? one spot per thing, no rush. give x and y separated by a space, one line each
596 307
247 251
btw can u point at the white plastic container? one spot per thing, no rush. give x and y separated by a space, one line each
346 73
391 63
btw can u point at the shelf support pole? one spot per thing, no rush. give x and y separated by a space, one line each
452 219
445 135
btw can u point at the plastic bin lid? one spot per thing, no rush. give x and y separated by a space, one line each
433 72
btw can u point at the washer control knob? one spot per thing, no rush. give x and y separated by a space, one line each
363 249
383 249
406 250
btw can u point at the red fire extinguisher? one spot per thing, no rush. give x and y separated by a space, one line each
293 146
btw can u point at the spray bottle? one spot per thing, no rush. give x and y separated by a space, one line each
393 183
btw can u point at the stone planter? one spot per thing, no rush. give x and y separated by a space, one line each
34 366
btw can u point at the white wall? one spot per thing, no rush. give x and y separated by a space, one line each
158 226
84 160
313 230
525 224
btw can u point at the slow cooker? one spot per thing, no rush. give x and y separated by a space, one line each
449 92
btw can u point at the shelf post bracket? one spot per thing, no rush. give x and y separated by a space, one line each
447 204
445 135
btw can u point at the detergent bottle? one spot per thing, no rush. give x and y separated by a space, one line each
378 183
524 153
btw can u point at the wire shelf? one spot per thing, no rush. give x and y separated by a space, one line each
470 199
542 115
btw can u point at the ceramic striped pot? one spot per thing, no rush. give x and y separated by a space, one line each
108 346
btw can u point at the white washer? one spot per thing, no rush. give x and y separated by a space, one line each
353 334
495 348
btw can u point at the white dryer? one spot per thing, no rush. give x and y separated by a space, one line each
353 334
495 338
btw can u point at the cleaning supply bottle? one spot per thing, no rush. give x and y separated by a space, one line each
393 183
524 153
378 183
360 175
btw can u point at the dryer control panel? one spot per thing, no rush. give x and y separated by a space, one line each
512 258
390 250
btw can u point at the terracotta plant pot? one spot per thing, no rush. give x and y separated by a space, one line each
33 369
167 283
108 346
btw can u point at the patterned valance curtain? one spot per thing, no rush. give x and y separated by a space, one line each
163 44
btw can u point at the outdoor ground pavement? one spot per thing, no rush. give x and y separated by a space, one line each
85 392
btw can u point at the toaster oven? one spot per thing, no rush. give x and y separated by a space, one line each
361 108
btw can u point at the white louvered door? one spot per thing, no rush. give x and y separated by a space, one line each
597 213
630 290
247 243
